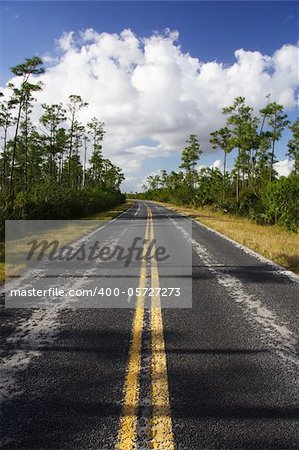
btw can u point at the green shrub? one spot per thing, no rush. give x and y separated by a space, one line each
281 202
53 201
249 202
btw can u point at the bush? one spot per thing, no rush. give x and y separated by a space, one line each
56 202
249 203
278 204
281 202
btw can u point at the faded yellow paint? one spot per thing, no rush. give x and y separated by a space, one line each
162 435
127 438
161 420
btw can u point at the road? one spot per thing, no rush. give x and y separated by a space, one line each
211 368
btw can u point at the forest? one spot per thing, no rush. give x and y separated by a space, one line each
44 170
252 188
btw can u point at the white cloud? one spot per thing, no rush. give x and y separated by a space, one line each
147 88
284 168
218 164
143 182
66 41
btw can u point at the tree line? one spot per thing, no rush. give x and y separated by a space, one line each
252 188
44 170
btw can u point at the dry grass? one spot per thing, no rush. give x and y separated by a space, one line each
271 241
69 233
111 214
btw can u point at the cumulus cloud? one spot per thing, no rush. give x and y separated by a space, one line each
65 42
284 167
218 164
144 182
148 89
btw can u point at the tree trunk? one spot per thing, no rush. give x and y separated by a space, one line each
14 150
272 160
70 153
4 158
84 163
224 174
237 179
26 143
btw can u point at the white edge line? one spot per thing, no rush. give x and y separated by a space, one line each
280 269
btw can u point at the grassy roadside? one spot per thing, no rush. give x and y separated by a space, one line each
111 213
270 241
71 235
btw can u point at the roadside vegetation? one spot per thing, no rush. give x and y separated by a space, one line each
68 233
252 188
249 203
44 171
271 241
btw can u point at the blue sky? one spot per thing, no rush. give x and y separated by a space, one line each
209 31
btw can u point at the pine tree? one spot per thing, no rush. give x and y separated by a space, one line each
277 121
31 66
222 139
190 157
293 146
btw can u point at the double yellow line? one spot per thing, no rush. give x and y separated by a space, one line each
162 436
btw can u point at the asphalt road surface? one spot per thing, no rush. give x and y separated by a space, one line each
159 366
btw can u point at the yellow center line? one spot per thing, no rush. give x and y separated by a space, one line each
162 436
127 438
161 420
